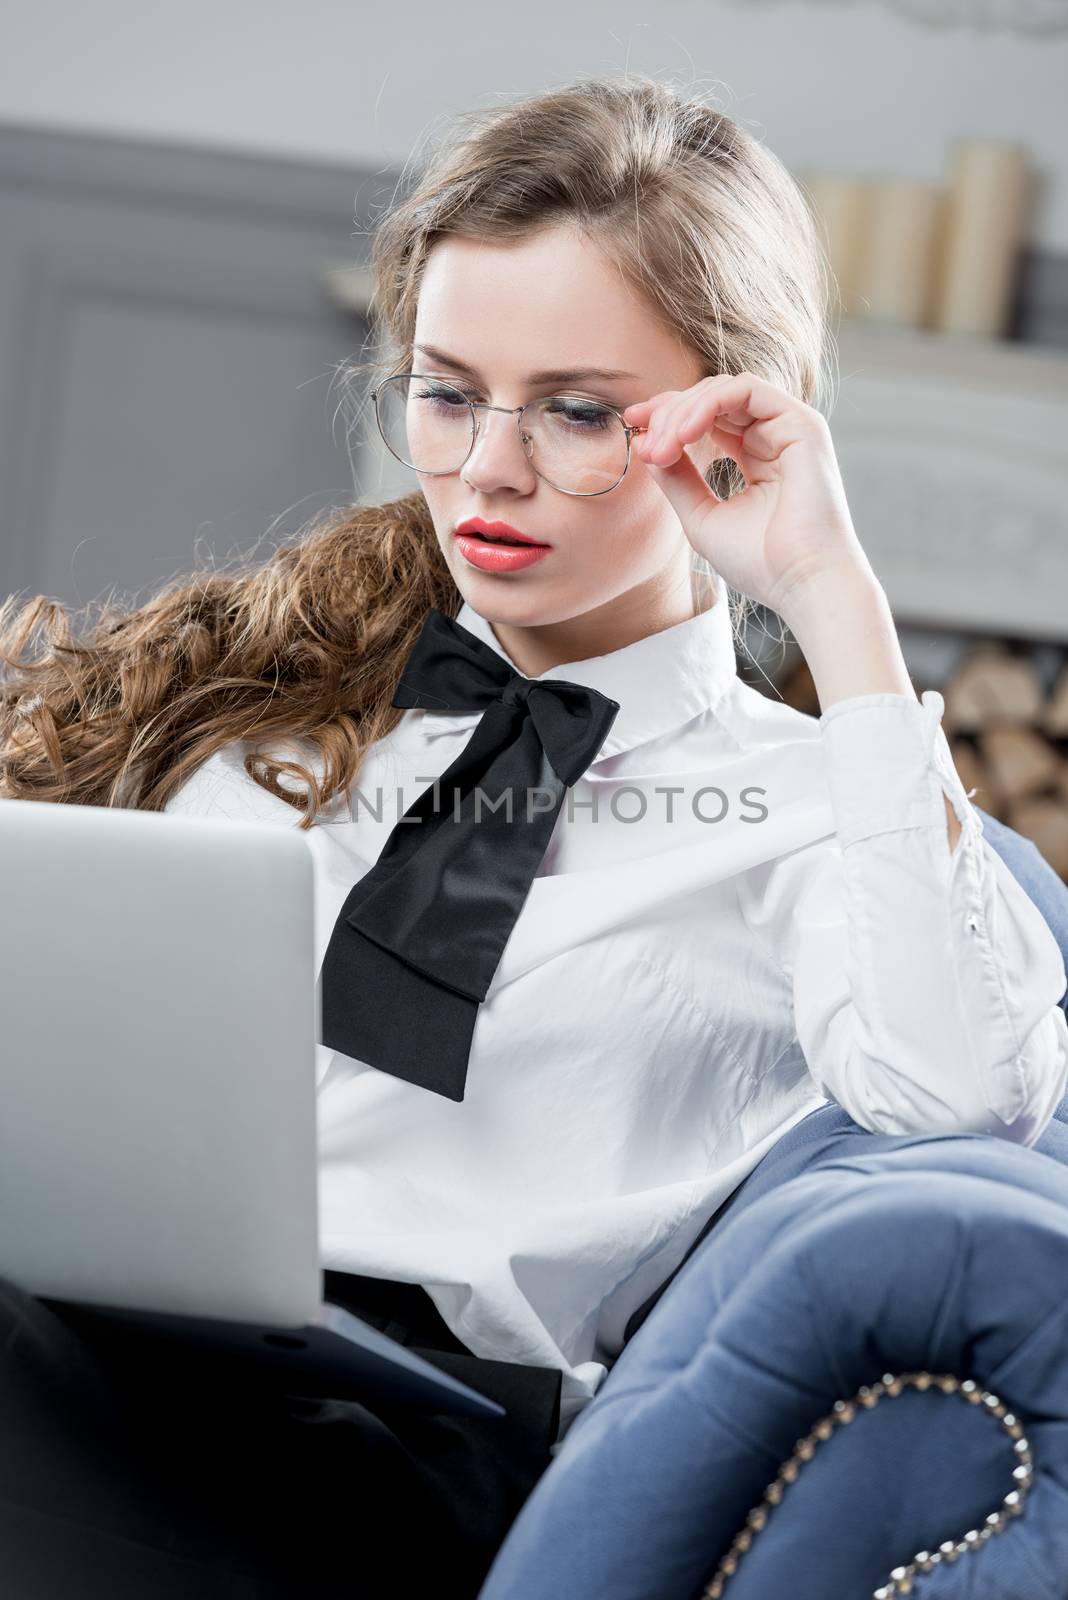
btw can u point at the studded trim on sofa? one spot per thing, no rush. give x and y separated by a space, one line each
902 1580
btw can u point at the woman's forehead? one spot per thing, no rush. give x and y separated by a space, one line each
526 313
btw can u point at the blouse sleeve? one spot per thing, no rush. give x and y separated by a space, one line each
925 980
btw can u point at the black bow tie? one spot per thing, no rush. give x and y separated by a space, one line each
420 936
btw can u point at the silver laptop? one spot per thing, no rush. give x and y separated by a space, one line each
158 1140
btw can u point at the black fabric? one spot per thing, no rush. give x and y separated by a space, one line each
416 944
125 1472
404 1311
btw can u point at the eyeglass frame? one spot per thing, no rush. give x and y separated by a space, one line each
513 411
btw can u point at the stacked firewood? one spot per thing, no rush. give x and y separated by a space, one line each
1008 735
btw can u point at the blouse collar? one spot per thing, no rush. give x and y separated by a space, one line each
660 681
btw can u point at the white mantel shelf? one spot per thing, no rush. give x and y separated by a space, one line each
954 453
984 362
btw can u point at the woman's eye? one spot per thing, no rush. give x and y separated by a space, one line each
580 414
447 395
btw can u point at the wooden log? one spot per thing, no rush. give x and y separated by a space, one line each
992 686
1020 761
973 773
1062 778
1055 712
1044 820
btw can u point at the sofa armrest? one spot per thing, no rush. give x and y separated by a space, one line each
889 1255
902 1578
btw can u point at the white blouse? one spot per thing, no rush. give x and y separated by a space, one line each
744 912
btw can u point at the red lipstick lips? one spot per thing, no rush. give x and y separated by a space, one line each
497 546
497 531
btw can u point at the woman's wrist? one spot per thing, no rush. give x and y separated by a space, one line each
842 622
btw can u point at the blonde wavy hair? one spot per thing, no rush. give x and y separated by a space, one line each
118 707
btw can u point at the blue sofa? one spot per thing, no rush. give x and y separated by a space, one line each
855 1385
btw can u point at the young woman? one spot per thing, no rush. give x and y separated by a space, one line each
553 1041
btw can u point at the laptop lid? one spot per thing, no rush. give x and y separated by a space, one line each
158 1143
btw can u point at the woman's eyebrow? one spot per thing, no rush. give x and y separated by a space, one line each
536 379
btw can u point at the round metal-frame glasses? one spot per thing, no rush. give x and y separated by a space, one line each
567 438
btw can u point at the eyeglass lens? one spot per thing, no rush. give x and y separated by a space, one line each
576 445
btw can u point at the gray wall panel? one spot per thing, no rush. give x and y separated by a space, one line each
167 356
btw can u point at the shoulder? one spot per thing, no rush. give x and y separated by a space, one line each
761 719
221 787
745 720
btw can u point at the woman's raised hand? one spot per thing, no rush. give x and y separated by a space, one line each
791 524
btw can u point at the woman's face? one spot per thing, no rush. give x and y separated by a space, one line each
619 566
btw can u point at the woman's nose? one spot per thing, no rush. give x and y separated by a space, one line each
498 455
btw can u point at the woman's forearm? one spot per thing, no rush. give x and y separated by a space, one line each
843 624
